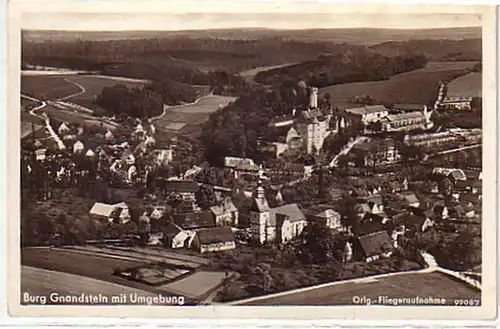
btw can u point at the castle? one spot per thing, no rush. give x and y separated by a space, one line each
307 129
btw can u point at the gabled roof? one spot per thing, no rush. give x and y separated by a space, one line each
375 243
405 116
409 197
328 213
408 219
247 167
215 235
362 207
291 211
103 209
194 220
226 205
367 109
369 224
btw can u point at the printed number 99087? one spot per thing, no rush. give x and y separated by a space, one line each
467 302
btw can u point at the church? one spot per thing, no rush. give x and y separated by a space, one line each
274 225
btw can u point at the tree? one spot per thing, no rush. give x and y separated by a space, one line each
317 243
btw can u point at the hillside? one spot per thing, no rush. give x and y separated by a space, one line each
348 35
435 50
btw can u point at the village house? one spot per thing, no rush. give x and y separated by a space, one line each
63 129
329 218
40 154
175 237
162 156
242 166
409 199
375 246
78 147
111 212
214 239
279 224
374 202
183 189
225 213
288 138
408 224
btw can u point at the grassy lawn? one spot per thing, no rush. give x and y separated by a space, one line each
419 86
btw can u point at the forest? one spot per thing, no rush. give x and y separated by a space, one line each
344 68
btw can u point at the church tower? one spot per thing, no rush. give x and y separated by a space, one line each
259 216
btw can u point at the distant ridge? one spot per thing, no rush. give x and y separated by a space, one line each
337 35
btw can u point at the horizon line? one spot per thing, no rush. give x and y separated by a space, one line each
251 28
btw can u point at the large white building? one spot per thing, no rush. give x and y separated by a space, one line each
369 113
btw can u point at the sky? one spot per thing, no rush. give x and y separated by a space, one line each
189 21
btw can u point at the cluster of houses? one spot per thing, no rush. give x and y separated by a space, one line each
109 153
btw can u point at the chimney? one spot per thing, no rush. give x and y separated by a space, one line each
313 101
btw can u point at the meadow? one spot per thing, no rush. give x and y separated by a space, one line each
55 87
467 85
419 86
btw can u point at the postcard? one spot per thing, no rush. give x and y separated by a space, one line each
242 160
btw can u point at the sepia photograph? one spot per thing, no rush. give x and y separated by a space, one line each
206 160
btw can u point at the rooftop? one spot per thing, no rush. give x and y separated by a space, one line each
215 234
367 109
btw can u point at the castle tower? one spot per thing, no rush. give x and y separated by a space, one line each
313 99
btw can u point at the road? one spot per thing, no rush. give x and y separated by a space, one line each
82 90
45 119
346 149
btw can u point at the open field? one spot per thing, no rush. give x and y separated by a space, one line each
84 264
249 75
468 85
42 282
45 86
424 285
54 86
206 104
192 116
419 86
94 84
